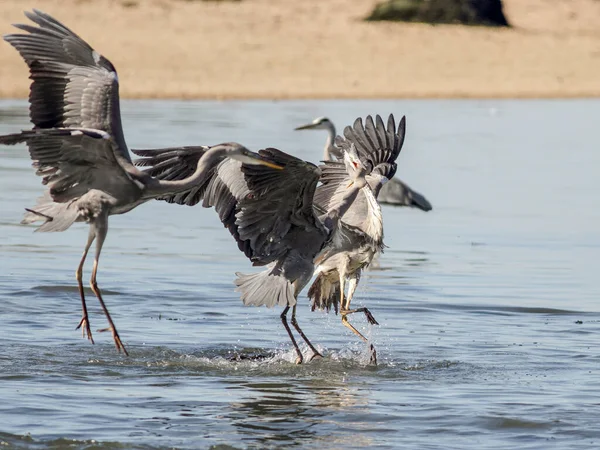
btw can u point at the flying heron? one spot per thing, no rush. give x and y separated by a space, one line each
283 220
78 147
395 192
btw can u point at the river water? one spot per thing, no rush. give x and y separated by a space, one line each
488 305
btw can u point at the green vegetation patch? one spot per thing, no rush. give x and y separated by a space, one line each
466 12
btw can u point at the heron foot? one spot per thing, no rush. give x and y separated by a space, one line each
367 313
315 355
373 359
84 324
370 317
299 359
116 337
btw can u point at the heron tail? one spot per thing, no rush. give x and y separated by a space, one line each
267 288
56 216
324 294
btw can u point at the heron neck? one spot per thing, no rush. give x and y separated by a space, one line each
208 161
327 156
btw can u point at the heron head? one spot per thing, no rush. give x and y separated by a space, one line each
320 123
240 153
354 167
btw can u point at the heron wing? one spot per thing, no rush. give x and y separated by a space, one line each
223 184
73 161
377 146
175 163
280 207
263 209
73 85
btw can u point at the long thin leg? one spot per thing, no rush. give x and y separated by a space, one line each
353 282
101 226
287 328
303 336
342 287
84 324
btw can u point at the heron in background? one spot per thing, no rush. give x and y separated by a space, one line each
284 221
396 192
78 147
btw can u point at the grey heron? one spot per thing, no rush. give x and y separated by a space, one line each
78 147
362 225
395 192
287 222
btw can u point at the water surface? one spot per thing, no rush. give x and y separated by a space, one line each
488 305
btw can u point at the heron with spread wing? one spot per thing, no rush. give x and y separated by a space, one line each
285 221
271 216
396 192
78 147
362 225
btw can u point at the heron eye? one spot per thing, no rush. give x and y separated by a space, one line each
355 164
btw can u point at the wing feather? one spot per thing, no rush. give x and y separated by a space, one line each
73 86
73 161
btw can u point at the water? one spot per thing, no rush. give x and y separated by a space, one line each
488 305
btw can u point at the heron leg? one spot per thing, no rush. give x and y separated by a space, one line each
342 287
345 310
352 284
84 324
303 336
289 332
101 231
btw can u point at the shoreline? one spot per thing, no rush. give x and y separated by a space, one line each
277 50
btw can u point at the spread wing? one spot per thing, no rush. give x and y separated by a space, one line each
268 212
265 210
279 215
73 161
73 86
377 149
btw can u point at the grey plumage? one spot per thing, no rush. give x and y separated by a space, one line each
271 215
395 192
361 233
288 222
77 144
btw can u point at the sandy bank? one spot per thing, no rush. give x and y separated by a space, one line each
322 49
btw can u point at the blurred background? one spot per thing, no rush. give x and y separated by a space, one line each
328 49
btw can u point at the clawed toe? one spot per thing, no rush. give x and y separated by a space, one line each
117 338
370 317
84 324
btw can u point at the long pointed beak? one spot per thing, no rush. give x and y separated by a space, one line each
308 126
271 165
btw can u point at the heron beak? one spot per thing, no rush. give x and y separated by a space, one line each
308 126
350 185
271 165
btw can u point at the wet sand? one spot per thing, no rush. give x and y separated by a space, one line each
322 49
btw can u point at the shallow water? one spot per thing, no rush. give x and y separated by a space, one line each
488 305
